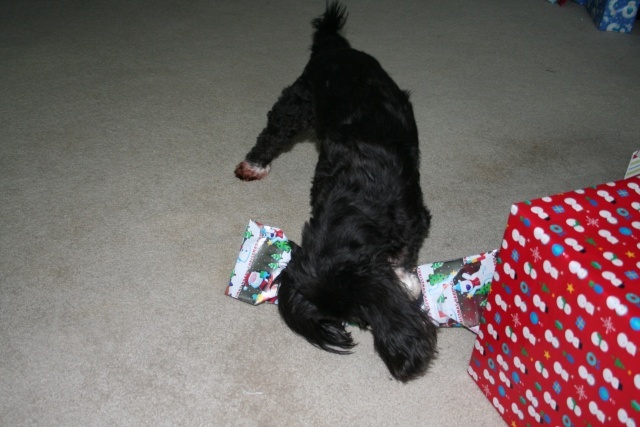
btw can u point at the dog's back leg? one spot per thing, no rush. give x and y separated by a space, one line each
291 114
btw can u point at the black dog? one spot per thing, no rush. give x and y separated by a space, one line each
368 218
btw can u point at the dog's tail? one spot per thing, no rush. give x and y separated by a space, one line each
327 26
404 336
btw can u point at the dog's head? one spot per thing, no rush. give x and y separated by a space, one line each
315 304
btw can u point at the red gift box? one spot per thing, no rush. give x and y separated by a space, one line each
558 342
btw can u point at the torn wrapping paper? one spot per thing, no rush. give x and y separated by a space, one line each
455 292
634 165
264 252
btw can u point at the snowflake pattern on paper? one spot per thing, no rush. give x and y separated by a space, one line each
581 393
607 324
486 390
535 253
515 319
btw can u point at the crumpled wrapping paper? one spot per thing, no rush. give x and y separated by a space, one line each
454 292
264 252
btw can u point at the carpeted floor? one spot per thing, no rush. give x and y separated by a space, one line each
120 217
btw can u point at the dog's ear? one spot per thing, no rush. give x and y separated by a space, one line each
406 343
303 317
334 337
403 335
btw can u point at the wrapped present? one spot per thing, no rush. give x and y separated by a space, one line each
455 292
634 165
264 252
558 342
613 15
562 2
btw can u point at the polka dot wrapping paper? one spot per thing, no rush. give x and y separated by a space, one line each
558 341
613 15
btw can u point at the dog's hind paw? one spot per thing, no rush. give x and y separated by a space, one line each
248 172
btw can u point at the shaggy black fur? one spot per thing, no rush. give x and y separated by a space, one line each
368 219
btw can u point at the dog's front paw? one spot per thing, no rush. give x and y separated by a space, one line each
248 172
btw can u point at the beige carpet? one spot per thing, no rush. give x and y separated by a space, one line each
120 218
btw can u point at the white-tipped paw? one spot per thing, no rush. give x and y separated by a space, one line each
248 172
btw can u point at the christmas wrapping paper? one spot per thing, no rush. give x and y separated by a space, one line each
558 342
613 15
634 165
264 252
455 292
